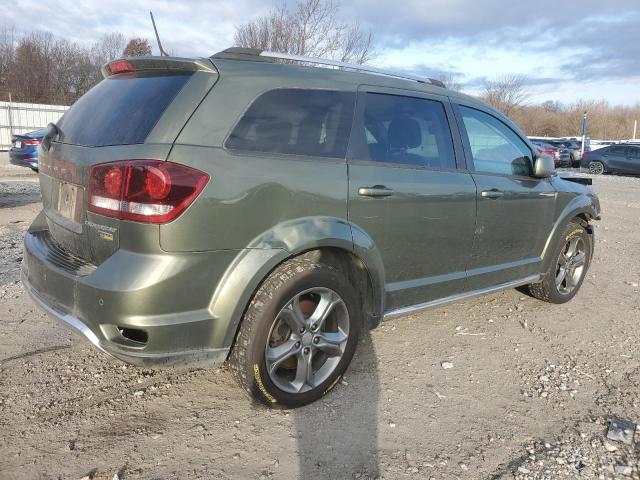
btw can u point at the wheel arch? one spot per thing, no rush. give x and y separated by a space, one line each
332 240
580 209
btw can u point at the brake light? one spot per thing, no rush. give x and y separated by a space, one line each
31 141
120 66
148 191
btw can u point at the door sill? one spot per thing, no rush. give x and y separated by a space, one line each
398 312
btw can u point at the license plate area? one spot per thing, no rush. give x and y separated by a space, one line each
69 203
18 144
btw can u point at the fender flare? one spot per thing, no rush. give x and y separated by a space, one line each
580 205
286 240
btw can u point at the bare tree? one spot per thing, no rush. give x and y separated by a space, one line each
137 47
506 93
42 68
312 29
7 55
450 80
109 47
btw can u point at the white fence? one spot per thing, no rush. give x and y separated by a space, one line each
25 117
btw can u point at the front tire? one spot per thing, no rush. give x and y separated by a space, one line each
298 334
571 260
596 168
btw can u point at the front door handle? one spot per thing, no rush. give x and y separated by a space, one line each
375 191
493 193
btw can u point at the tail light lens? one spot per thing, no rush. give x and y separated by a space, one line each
31 141
148 191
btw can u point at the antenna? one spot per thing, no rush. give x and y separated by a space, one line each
162 52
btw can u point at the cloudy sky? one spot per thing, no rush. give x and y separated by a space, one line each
568 49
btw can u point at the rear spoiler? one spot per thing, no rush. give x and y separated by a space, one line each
157 64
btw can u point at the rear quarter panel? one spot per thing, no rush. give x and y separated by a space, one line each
249 193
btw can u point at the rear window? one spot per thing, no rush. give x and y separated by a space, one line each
296 122
120 110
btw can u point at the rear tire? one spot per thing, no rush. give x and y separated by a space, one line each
571 260
279 358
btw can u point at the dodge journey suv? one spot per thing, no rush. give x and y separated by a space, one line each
262 210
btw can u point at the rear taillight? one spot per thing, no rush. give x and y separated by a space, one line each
148 191
120 66
31 141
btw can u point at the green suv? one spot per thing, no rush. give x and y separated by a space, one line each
256 209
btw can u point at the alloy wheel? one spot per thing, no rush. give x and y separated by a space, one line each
307 340
596 168
570 266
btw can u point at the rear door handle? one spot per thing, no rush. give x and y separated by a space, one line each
493 194
375 191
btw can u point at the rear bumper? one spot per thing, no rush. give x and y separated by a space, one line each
23 160
132 292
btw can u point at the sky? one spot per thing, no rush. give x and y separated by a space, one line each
567 49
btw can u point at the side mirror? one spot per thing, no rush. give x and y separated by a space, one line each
543 166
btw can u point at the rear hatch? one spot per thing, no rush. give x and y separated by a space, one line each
136 112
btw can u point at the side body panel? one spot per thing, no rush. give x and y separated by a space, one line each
424 230
249 192
515 216
512 230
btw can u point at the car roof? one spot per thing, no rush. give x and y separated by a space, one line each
317 77
296 73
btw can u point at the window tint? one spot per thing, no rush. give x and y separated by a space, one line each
494 146
297 122
634 153
120 110
405 130
618 150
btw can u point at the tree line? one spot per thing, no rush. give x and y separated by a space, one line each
510 95
40 67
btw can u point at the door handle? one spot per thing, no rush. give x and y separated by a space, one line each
375 191
492 194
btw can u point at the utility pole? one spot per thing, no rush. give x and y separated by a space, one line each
10 117
584 130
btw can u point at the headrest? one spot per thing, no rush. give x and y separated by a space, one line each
404 133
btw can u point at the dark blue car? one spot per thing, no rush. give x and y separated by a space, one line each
24 151
622 158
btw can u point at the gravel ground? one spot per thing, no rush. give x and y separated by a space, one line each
528 392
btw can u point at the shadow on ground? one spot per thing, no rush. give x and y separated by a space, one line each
338 436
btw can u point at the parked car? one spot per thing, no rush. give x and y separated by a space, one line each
560 155
24 149
264 213
575 151
622 158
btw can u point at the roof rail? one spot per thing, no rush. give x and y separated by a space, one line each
254 54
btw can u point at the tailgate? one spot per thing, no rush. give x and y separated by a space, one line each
136 114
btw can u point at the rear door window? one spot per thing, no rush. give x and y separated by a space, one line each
120 110
406 131
296 122
618 151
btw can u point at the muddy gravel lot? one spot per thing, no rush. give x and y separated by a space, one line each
530 391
